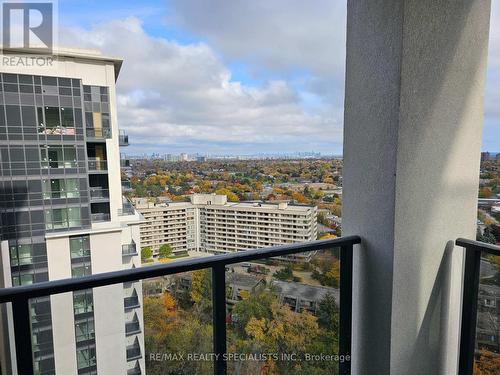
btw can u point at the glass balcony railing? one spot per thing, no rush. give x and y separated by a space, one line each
104 133
129 249
480 331
101 216
134 371
132 328
131 302
133 352
127 208
97 164
237 302
123 139
98 193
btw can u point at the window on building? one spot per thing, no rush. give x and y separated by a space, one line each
58 157
25 279
79 247
56 121
52 118
84 330
85 358
67 119
60 218
83 302
60 188
21 255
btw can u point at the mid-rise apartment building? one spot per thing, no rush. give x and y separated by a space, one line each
212 224
62 215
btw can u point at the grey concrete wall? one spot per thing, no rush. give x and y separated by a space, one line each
415 77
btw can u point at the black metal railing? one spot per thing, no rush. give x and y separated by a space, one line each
21 295
473 252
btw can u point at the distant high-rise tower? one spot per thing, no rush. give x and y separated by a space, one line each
63 215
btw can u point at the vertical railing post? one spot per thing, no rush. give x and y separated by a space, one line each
469 311
345 326
22 335
219 317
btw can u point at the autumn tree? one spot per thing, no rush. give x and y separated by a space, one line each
231 197
488 363
201 292
288 332
256 305
485 192
161 313
299 197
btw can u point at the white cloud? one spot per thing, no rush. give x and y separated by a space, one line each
178 94
493 78
279 34
171 94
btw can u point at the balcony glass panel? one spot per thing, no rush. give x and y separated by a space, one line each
56 121
487 353
283 314
60 188
61 218
58 157
178 320
97 164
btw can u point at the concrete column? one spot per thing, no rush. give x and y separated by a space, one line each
415 75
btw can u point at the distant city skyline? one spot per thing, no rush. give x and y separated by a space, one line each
189 84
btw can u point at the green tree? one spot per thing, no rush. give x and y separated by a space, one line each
146 254
165 251
328 313
486 236
284 274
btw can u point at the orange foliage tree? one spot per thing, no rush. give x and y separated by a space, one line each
488 363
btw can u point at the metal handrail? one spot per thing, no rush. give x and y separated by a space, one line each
20 295
473 252
478 246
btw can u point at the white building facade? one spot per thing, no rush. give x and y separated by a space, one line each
62 215
210 223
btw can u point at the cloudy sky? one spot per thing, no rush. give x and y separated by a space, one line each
233 77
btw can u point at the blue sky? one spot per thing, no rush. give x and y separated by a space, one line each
222 77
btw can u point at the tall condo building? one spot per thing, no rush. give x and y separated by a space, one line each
63 215
212 224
